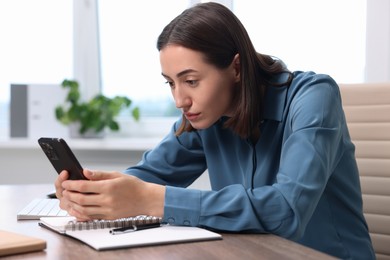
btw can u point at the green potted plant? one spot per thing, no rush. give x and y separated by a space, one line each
92 116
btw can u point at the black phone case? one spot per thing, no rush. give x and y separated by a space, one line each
61 157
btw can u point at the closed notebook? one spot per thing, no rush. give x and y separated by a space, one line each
97 234
14 243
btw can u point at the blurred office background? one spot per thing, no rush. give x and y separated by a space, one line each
109 47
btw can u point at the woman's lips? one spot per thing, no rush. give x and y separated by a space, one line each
191 116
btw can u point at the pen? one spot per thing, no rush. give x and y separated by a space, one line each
123 230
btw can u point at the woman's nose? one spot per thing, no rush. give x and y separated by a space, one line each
182 100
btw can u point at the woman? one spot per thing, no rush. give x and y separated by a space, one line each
275 144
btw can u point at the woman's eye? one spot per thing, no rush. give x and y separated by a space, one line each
192 83
170 83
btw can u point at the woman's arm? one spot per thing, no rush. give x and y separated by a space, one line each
109 195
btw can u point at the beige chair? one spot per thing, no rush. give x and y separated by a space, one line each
367 110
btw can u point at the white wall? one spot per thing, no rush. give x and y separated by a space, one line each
378 41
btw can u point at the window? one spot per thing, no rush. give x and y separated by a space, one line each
36 46
324 36
129 59
327 36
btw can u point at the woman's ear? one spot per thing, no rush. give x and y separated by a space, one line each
236 67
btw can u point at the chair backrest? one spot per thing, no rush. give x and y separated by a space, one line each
367 110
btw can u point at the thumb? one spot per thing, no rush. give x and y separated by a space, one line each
97 175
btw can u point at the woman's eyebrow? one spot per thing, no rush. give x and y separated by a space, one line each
181 73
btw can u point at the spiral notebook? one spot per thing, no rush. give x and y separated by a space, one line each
97 234
64 224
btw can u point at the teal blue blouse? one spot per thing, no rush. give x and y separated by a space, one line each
299 181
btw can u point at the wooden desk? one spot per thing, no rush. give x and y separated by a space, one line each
233 246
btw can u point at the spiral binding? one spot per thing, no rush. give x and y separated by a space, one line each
117 223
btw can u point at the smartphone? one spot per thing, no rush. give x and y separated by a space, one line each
61 157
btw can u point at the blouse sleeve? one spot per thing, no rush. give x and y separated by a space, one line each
177 161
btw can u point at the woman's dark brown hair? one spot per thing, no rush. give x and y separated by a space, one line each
217 33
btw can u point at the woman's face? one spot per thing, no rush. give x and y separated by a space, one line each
203 92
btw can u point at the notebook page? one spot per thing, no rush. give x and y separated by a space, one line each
101 239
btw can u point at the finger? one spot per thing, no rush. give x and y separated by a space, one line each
86 206
60 178
65 204
92 185
99 175
82 186
80 217
58 183
86 212
70 203
82 199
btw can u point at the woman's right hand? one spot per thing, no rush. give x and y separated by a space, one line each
63 176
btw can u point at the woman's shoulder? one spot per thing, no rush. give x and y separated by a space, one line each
304 78
315 89
316 99
304 81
